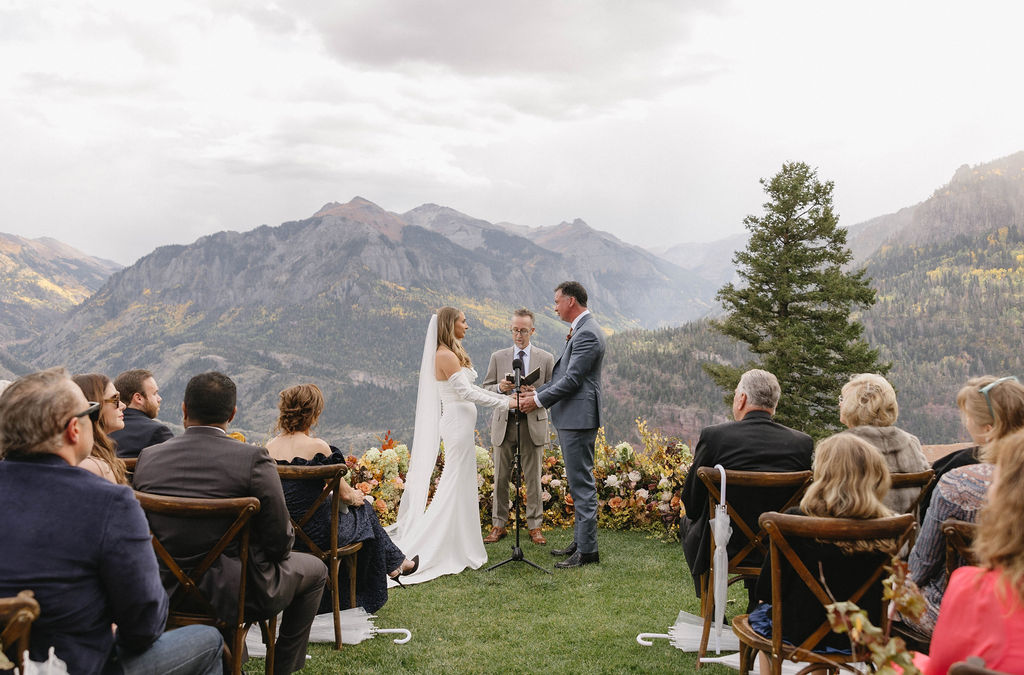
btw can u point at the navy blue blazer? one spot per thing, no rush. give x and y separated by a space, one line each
573 396
139 433
82 545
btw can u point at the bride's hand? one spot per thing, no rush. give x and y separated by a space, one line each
512 403
351 496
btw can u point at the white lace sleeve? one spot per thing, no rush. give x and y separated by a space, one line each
474 394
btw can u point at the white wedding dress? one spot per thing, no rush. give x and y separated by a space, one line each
446 535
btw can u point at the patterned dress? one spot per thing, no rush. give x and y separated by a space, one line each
960 494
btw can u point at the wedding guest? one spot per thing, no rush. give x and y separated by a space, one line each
753 442
982 612
103 461
142 400
205 462
82 545
850 481
869 410
300 408
975 406
961 493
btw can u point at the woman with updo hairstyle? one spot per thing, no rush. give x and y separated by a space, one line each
991 408
982 612
103 460
868 408
299 411
850 480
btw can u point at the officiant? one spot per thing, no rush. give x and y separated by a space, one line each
533 430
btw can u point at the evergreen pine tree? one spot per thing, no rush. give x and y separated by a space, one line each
793 305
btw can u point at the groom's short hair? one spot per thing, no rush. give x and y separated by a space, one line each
574 289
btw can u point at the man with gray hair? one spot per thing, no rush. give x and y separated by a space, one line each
82 544
754 442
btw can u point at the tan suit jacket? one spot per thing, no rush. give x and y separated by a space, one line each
537 421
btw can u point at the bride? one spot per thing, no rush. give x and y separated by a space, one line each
446 534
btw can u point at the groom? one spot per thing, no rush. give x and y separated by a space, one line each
573 397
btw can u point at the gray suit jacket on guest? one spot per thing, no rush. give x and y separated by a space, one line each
574 394
537 421
205 462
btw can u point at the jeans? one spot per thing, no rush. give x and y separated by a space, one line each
190 650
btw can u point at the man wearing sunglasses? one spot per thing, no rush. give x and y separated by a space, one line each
81 544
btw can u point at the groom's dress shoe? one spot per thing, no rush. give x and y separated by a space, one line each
497 534
536 537
578 559
568 550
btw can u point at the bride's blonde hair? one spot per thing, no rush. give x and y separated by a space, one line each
446 318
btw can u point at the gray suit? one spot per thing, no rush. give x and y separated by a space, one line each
573 398
533 432
205 462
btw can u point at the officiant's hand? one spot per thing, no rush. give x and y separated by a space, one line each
527 404
526 389
505 386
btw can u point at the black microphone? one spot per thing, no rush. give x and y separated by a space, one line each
517 368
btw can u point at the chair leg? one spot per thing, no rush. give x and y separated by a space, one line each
744 659
351 561
270 626
707 609
237 647
335 602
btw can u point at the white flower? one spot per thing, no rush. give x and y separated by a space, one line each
634 476
664 482
546 496
666 496
612 481
642 494
556 483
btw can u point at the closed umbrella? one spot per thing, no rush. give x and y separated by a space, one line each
722 532
356 626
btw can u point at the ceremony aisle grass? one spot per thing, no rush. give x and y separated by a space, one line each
517 619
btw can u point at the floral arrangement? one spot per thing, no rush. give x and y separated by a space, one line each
638 488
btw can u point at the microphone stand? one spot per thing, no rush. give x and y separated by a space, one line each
517 473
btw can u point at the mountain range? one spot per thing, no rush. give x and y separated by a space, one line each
342 298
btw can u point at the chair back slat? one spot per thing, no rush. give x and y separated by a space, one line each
784 528
922 479
959 536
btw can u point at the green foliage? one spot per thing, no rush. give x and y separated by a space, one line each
793 308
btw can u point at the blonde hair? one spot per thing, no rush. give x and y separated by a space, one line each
94 386
300 408
1006 415
850 481
999 544
868 400
446 318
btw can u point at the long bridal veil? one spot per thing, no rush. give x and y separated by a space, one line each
426 442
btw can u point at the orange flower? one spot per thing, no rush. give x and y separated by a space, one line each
568 500
380 505
237 435
365 487
675 502
387 442
615 503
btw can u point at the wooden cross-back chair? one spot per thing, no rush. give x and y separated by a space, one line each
959 536
786 488
16 617
921 479
330 477
188 603
782 529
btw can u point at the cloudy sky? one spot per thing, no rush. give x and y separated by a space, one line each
127 125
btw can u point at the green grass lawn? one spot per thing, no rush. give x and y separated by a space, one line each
517 619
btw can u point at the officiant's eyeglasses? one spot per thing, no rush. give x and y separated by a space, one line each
989 387
522 331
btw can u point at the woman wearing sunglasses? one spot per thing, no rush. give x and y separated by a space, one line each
110 417
991 408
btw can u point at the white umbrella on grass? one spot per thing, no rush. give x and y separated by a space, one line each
356 626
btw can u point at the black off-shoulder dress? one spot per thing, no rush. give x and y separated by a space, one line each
378 555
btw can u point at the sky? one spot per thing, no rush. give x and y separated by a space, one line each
129 125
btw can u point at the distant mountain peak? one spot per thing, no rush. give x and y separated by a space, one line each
364 211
